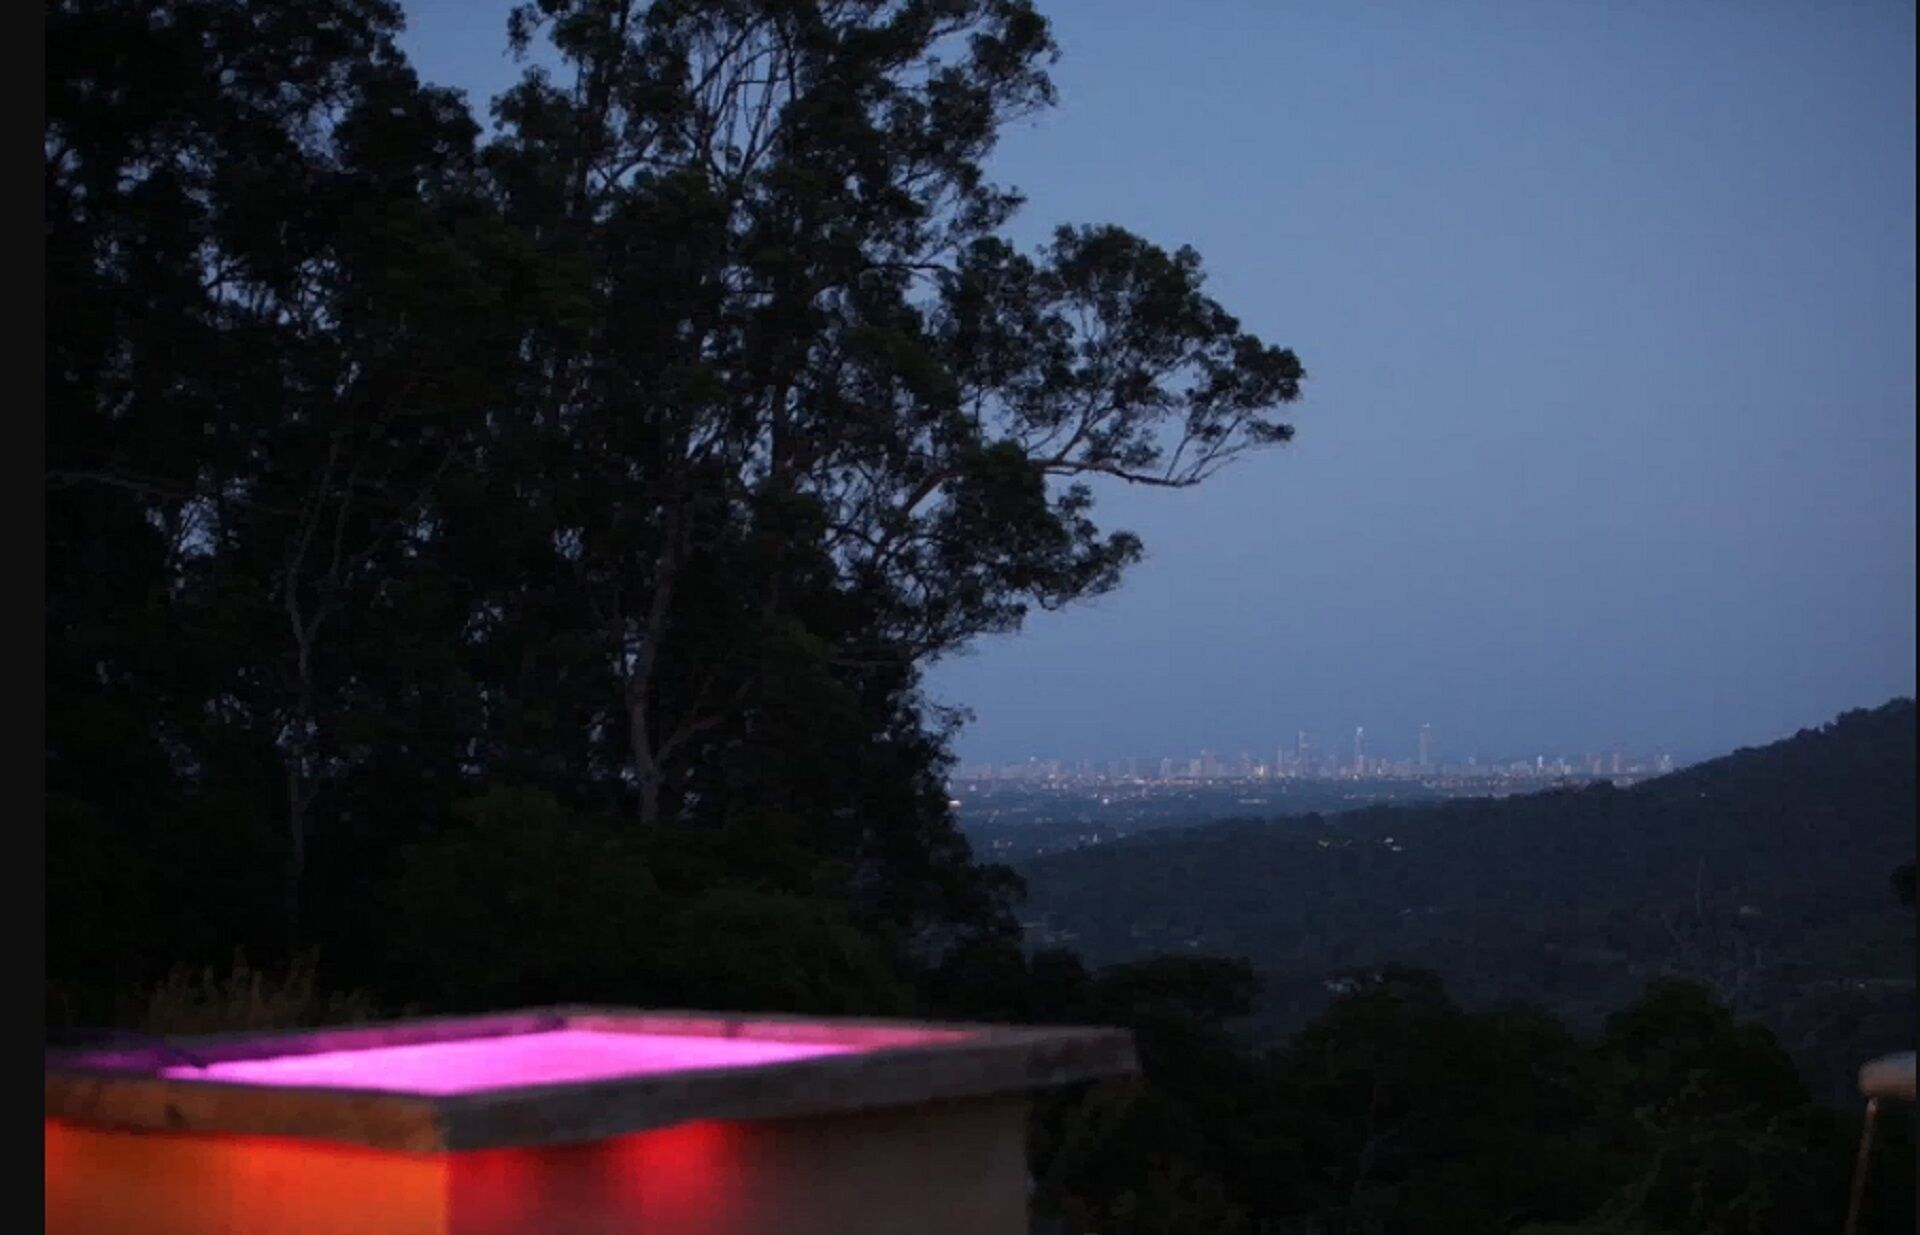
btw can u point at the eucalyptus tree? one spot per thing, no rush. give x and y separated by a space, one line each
808 420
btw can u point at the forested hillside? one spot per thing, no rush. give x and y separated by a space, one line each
1764 874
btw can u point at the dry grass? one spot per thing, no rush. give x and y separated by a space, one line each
245 998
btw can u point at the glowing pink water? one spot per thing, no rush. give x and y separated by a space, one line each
470 1065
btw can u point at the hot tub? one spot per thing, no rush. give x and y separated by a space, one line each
569 1121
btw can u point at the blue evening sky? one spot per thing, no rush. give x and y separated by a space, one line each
1608 311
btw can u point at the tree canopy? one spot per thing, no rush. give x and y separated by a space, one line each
642 454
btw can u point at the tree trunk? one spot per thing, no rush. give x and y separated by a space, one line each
646 769
299 755
296 850
649 772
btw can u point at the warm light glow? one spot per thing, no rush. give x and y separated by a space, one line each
688 1178
105 1182
471 1065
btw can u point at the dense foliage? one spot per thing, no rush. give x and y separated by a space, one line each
504 568
1394 1111
639 457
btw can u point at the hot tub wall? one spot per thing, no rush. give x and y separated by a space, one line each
955 1166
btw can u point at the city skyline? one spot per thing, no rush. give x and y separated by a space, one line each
1306 754
1396 743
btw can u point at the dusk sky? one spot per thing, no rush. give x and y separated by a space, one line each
1608 315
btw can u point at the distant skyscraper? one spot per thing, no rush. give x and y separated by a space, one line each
1426 746
1360 749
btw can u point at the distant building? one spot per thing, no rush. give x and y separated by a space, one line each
1426 747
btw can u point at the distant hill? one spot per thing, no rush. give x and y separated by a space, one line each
1765 873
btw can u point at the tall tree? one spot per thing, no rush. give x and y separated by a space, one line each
644 457
275 305
807 421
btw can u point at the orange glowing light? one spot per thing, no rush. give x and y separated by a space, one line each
689 1178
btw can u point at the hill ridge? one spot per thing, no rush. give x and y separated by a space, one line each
1763 872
